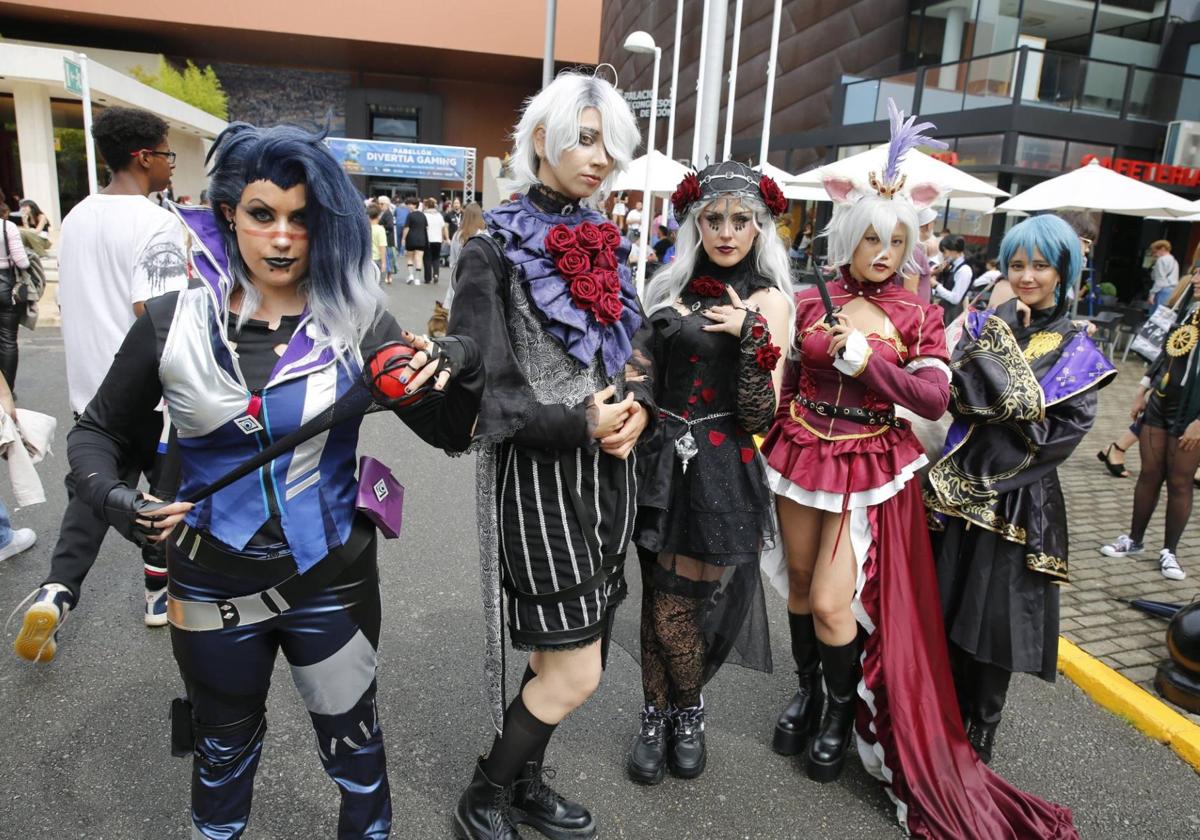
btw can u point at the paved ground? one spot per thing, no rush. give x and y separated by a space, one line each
85 738
1100 507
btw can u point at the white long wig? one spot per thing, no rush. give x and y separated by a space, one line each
850 222
557 108
769 254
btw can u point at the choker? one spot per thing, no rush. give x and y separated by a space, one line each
551 201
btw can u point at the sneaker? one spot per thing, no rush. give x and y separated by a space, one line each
156 607
36 639
1122 546
1169 566
22 539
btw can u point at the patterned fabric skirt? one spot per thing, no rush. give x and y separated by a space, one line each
565 520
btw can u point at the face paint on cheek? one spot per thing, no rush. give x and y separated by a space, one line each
739 225
271 234
714 224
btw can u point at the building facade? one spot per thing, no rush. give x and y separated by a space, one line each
1021 89
453 74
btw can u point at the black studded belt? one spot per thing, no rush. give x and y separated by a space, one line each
865 416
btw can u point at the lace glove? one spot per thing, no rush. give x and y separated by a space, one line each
757 357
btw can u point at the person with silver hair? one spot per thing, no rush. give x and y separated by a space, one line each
860 582
549 298
720 313
286 317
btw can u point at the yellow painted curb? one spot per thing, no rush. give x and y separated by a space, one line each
1130 701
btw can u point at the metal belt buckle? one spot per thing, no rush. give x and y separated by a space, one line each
821 408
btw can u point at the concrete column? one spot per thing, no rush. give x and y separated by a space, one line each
35 135
952 41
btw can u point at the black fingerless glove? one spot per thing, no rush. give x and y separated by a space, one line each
123 506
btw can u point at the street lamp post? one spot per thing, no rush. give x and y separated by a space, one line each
643 42
674 88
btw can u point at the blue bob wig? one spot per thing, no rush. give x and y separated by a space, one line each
342 284
1055 240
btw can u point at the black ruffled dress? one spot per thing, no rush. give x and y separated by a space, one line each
704 509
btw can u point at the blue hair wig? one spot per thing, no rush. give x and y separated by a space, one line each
342 284
1055 240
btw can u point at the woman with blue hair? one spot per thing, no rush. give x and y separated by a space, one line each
284 319
1024 394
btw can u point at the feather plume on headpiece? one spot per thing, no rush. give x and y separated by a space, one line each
906 136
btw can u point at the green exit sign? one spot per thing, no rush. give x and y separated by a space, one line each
72 76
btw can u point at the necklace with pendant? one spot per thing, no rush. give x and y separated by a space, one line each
1183 338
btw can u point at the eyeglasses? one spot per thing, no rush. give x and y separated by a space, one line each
170 156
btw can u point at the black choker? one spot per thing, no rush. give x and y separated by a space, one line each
551 201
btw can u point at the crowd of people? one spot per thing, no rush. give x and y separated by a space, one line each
718 423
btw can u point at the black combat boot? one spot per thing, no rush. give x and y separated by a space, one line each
483 811
537 804
827 753
687 754
802 717
647 762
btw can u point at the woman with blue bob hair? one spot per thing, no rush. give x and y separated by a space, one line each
1024 394
284 320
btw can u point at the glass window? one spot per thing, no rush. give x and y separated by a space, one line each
70 153
980 150
1040 153
859 105
1076 152
401 126
846 151
10 152
997 23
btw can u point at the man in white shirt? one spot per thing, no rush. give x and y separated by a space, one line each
956 280
117 249
1165 273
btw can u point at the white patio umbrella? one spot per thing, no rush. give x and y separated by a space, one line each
918 167
1094 187
791 190
665 175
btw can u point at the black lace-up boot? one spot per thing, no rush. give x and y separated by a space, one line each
648 756
687 755
800 720
537 804
827 753
483 811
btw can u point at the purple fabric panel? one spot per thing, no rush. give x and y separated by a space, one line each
1079 366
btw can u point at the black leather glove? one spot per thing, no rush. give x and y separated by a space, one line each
123 506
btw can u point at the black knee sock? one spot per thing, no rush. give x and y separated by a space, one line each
804 642
524 737
540 756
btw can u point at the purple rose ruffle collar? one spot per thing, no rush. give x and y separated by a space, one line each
523 226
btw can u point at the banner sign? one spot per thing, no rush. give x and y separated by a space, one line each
1148 171
400 160
639 102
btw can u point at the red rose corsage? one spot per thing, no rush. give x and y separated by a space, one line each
767 356
706 287
586 258
772 196
687 192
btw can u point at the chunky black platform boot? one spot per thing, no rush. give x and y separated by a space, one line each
800 720
537 804
483 811
827 753
647 763
687 754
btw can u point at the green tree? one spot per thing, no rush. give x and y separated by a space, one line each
197 87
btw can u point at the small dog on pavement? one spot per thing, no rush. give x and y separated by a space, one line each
436 327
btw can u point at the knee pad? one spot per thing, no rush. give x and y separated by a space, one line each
225 744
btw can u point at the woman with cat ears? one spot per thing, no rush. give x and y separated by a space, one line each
862 594
720 313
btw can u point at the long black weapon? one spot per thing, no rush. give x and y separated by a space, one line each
354 403
826 300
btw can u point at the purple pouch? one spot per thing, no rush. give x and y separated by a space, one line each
380 496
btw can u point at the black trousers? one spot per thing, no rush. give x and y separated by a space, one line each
433 254
10 322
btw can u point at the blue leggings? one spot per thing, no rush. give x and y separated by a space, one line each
330 642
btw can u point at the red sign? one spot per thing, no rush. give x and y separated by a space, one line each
945 157
1149 171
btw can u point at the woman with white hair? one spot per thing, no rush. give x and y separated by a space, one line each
720 314
862 593
549 298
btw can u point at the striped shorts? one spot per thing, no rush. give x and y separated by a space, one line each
565 521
